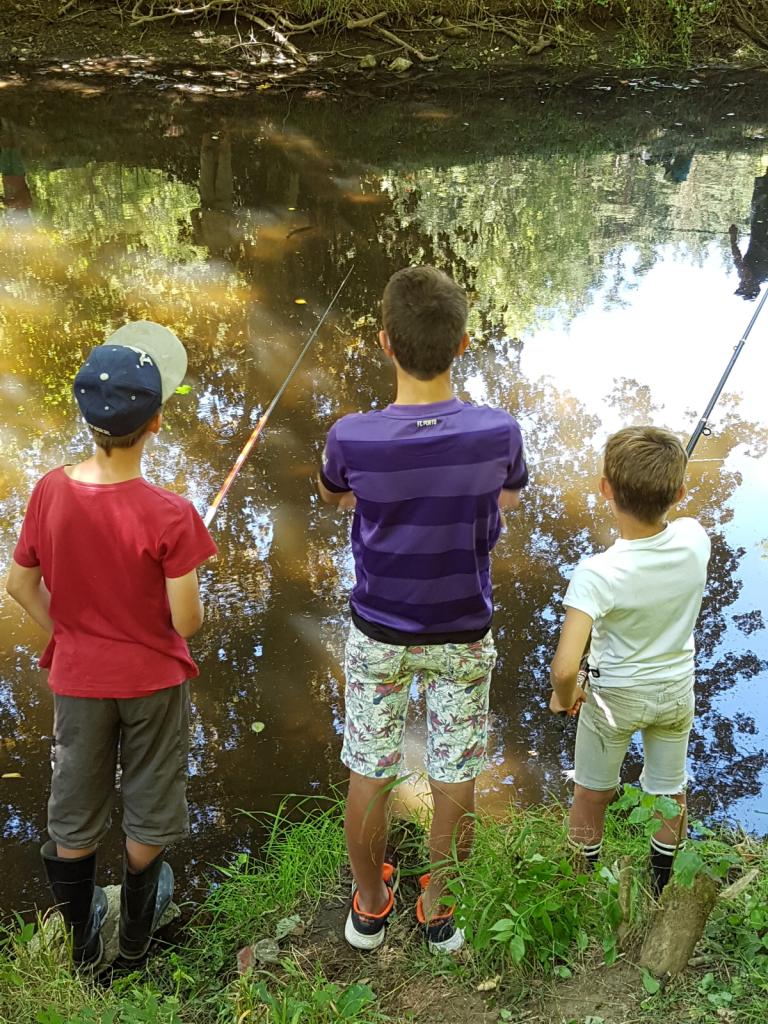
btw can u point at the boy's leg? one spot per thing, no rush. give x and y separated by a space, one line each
376 701
451 835
82 789
365 826
458 684
587 819
606 723
665 842
665 749
140 855
154 748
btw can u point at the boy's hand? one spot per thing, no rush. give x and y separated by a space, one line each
558 707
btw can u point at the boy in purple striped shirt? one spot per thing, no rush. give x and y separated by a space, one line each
427 477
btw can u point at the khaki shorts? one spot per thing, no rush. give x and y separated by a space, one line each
457 681
661 712
151 735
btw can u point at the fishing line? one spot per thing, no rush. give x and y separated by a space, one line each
248 446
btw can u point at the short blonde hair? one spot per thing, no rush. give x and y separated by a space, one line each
645 467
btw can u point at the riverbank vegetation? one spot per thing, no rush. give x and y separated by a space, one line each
546 941
397 35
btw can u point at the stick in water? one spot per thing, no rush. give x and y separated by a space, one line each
248 446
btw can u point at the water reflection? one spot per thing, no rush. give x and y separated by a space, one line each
752 267
603 282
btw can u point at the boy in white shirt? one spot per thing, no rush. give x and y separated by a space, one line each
639 600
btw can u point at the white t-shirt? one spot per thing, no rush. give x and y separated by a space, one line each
644 597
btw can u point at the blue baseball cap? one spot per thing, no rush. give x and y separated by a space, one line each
125 381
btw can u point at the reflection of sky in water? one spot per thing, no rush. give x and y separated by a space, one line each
674 333
598 302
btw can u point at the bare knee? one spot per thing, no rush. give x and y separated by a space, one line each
453 797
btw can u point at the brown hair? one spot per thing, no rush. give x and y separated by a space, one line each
425 317
106 442
645 467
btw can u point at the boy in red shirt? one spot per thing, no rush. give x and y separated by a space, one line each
107 565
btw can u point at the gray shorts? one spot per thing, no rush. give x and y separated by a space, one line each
663 715
151 736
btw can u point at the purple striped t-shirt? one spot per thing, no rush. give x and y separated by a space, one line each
427 480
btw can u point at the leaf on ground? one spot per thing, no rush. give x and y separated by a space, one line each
183 389
489 984
367 61
300 302
11 775
266 951
257 727
264 86
650 984
286 926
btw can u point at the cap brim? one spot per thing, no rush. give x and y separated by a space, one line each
161 344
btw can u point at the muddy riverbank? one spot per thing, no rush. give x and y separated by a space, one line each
385 44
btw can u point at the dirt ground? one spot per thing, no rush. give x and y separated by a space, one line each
406 989
87 41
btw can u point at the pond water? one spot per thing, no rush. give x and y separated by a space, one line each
591 226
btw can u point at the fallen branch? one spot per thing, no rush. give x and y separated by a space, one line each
392 38
751 32
287 24
496 26
353 25
179 12
738 887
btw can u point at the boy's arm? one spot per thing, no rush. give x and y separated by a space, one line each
332 480
187 612
26 587
344 499
509 499
566 693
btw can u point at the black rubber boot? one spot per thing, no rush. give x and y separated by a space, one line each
82 903
144 898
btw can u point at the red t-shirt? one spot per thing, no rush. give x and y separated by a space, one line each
105 551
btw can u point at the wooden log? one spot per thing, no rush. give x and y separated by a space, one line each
677 926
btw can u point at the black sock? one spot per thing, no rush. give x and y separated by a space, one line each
662 855
590 852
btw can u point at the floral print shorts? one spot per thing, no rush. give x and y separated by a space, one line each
457 680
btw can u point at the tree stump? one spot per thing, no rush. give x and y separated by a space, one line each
677 926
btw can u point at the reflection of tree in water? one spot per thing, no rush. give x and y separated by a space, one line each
752 266
110 249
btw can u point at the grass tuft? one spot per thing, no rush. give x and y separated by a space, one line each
535 921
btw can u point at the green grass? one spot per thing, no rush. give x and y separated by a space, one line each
532 916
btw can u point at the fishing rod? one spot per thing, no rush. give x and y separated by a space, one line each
247 447
702 427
